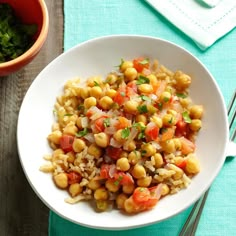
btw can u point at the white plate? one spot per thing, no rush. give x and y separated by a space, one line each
98 57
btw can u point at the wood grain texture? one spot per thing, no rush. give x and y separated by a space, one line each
21 211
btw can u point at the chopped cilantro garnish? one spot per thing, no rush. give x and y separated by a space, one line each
186 117
68 114
106 122
166 99
143 152
80 107
144 61
160 105
117 182
142 80
142 109
122 94
125 133
121 62
82 133
96 83
145 98
181 95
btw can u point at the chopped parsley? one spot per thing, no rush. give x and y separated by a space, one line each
186 117
106 122
125 133
82 133
15 37
68 114
145 98
117 182
144 61
80 107
142 80
96 83
142 109
181 95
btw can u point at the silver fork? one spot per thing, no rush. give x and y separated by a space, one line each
192 221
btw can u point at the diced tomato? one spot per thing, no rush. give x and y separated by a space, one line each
73 177
104 172
99 124
167 133
141 194
120 96
123 178
186 146
159 87
152 131
181 127
113 152
66 142
122 123
89 113
181 164
131 89
140 63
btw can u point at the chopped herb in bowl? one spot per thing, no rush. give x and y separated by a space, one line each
15 37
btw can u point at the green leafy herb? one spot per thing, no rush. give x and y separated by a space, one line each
143 152
125 133
82 133
106 122
160 105
144 61
15 37
142 80
117 182
68 114
142 109
122 94
186 117
163 130
145 98
121 62
181 95
166 99
141 134
96 83
80 107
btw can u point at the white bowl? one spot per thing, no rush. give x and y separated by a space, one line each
97 57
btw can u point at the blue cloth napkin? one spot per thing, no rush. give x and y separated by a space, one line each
85 20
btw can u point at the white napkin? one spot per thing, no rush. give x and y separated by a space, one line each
202 23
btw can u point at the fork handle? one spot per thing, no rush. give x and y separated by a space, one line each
191 223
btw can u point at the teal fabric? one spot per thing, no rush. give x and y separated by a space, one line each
85 20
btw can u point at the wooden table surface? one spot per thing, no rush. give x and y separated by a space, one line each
21 211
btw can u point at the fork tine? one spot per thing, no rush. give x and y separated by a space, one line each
233 135
232 119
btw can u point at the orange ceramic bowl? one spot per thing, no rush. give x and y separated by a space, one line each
30 12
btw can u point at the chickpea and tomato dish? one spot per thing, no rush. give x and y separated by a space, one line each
126 140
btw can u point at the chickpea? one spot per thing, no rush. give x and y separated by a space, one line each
134 157
61 180
56 153
130 74
128 188
101 194
131 107
118 136
178 172
138 171
169 146
55 136
131 146
94 184
111 79
145 88
144 182
94 150
122 164
102 205
96 92
129 206
195 125
158 159
169 120
120 200
165 190
192 164
147 150
182 80
111 93
78 122
75 189
93 81
141 118
101 139
89 102
151 109
71 129
112 185
105 102
78 145
196 111
157 120
126 64
177 143
152 78
70 157
84 92
165 97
